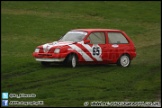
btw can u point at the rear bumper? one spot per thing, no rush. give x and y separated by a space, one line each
133 55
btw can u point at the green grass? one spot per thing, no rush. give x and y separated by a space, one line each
26 25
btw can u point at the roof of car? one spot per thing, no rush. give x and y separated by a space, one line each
96 29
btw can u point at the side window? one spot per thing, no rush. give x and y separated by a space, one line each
97 38
116 38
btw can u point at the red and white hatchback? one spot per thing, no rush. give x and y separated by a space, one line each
106 46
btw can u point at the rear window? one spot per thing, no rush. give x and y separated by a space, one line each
117 38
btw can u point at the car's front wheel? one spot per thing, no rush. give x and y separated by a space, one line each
124 61
71 60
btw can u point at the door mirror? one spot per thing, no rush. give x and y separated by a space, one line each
86 41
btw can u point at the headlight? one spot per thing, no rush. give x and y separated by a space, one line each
57 50
37 50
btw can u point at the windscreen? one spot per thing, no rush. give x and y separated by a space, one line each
74 36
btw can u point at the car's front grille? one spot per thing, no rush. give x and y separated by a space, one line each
47 55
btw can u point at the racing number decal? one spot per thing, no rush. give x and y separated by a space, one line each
96 51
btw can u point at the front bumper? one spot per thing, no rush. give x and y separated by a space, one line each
50 59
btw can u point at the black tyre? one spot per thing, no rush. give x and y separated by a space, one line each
124 61
71 60
45 63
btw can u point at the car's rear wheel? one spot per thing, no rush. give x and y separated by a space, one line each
71 60
124 61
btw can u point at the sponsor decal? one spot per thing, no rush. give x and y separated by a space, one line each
115 45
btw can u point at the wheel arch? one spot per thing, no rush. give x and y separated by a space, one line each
125 54
122 55
71 53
